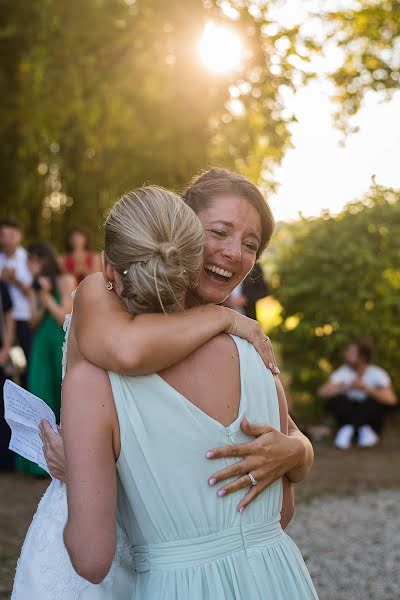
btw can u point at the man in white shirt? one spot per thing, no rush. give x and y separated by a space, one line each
357 394
14 271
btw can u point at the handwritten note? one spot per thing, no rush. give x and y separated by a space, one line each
23 412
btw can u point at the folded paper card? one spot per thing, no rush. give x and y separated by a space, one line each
23 412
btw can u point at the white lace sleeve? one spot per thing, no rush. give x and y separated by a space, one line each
66 326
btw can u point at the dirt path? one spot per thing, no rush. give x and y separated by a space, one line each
343 472
334 473
350 544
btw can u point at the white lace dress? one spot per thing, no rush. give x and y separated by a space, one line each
44 570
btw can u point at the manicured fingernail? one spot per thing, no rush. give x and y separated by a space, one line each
276 371
210 454
241 509
270 365
221 492
212 481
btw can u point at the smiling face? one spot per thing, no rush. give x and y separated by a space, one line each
232 229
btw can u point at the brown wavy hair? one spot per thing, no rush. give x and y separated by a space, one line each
222 182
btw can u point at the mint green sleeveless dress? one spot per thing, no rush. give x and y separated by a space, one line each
187 543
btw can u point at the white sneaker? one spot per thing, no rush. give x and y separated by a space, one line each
343 437
367 437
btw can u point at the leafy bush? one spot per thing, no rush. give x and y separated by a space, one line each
337 277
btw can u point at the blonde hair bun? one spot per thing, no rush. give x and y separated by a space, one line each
155 242
168 252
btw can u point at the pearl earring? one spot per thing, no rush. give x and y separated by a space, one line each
109 286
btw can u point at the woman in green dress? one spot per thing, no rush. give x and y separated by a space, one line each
51 302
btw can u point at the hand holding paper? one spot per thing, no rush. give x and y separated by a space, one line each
23 412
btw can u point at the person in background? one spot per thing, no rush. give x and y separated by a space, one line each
358 393
78 259
244 297
7 332
51 302
15 273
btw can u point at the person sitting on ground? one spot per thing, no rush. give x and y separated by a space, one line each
358 393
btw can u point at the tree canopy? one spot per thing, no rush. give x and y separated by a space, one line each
369 36
338 277
102 96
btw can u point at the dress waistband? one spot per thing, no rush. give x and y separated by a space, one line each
194 552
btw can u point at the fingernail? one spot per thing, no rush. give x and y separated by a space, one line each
210 454
241 509
270 365
212 481
276 370
221 492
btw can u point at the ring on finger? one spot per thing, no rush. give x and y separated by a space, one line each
253 480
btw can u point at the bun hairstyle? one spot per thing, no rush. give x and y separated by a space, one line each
221 182
155 243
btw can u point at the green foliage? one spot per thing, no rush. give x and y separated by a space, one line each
369 36
101 96
336 278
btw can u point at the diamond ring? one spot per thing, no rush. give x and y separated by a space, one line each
252 479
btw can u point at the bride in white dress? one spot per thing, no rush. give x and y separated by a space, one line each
44 570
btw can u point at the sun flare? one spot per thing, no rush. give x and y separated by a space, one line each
220 48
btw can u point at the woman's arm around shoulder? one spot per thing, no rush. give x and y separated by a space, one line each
108 336
91 441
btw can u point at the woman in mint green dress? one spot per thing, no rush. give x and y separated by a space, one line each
51 301
135 447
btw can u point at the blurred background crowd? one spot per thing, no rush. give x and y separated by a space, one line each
37 285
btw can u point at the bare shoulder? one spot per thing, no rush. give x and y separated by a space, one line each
91 293
221 349
91 286
222 343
